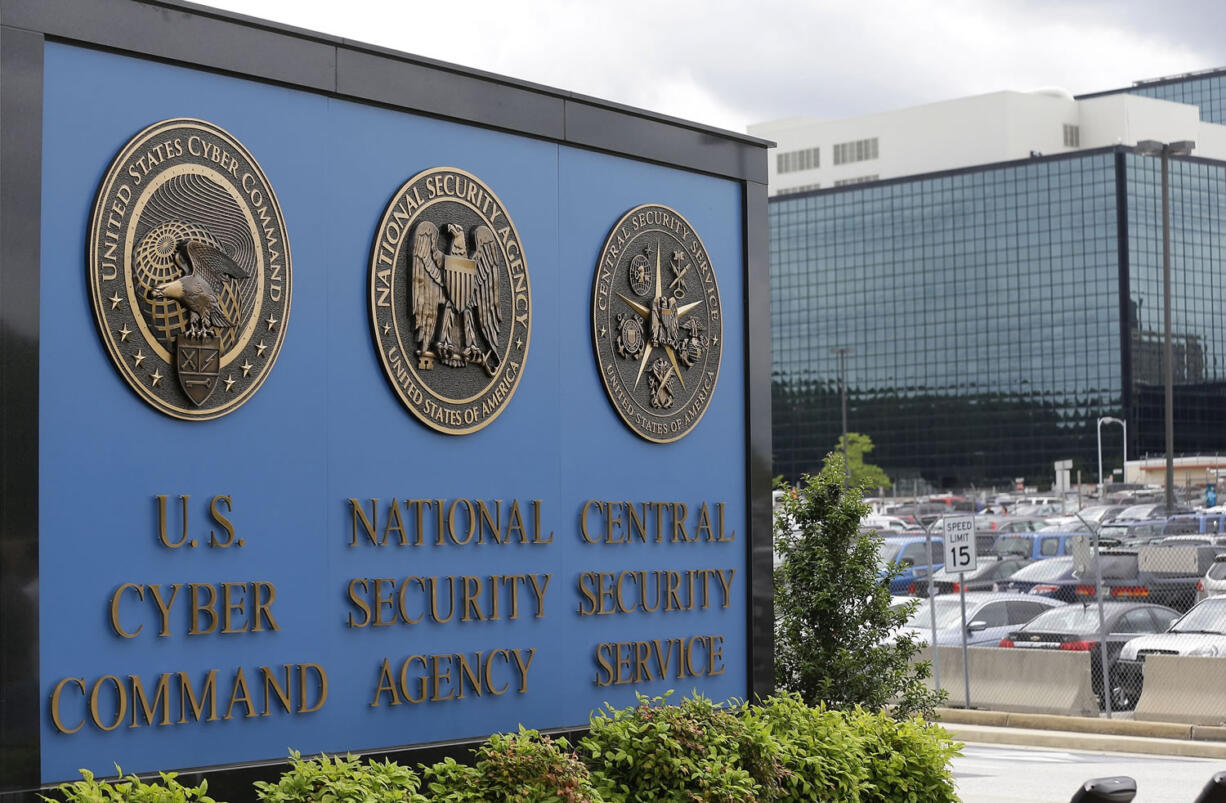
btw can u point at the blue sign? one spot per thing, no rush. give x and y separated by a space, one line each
317 569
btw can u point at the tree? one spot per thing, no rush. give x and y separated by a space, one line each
836 633
863 475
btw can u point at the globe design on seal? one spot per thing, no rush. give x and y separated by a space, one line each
154 265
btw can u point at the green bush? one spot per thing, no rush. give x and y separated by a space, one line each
822 755
694 751
131 790
836 632
522 767
342 780
907 760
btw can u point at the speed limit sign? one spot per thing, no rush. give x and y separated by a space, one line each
960 553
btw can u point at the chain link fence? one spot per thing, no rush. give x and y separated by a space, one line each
1049 610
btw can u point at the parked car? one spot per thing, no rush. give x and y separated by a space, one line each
990 615
911 553
1166 575
1058 578
1076 628
1094 516
988 575
1007 524
1195 523
1200 631
1133 533
1150 510
1214 582
887 523
1206 539
1034 546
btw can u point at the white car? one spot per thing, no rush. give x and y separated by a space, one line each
1213 584
1200 631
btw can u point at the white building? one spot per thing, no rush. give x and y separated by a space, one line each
812 153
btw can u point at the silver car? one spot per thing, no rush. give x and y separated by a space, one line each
990 615
1213 584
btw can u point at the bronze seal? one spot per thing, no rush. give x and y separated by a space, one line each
189 269
450 301
656 323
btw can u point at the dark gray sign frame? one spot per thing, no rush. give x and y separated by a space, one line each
207 39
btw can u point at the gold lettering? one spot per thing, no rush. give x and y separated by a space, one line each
56 696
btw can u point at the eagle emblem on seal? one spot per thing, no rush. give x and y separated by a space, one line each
205 270
455 295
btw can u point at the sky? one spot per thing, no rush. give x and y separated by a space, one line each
732 63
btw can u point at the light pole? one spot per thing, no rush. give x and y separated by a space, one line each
843 351
1165 150
1106 419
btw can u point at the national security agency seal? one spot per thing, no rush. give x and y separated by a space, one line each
450 301
656 323
189 269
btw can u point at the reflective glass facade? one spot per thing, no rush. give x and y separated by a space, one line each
993 315
1206 91
1198 303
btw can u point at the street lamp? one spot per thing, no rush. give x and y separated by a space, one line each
1106 419
843 351
1165 150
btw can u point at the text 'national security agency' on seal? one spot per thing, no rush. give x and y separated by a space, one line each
657 323
189 269
450 300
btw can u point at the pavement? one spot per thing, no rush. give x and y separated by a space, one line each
1084 733
996 773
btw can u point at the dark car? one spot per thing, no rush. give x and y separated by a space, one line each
1058 577
1076 628
1133 533
988 575
1166 574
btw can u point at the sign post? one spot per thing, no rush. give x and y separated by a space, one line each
961 556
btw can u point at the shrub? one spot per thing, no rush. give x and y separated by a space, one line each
822 755
131 790
342 780
524 766
695 751
836 640
907 760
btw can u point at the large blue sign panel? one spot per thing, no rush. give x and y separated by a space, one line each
318 570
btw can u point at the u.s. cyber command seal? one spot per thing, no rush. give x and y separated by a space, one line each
189 269
656 323
450 301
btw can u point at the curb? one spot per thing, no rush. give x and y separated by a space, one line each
1083 733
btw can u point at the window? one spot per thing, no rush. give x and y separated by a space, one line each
857 151
800 188
1022 611
792 161
994 614
1072 136
1137 621
857 180
1049 546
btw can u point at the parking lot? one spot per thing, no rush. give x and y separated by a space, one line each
1063 594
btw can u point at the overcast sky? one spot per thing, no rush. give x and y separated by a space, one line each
729 64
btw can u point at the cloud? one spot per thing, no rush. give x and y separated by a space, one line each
732 63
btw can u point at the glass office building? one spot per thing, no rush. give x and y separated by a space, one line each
1206 90
995 313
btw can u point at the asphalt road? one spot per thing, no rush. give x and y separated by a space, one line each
992 773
